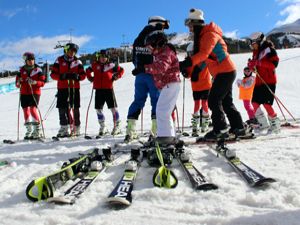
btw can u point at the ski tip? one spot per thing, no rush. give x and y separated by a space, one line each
118 202
207 187
7 141
264 182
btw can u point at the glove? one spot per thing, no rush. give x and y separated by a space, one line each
195 73
63 76
91 79
74 76
252 64
183 65
138 70
31 82
115 77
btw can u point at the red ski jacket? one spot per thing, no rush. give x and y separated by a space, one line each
267 61
104 74
64 66
25 75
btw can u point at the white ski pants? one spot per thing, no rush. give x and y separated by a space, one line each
165 105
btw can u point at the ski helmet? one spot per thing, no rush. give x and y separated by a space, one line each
256 37
156 39
28 56
102 53
196 17
71 46
153 20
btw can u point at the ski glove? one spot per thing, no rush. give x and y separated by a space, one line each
91 79
183 65
252 64
138 70
31 82
115 77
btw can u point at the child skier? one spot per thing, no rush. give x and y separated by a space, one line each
201 84
68 71
165 72
30 80
264 62
246 86
105 73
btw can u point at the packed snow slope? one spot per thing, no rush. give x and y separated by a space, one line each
234 203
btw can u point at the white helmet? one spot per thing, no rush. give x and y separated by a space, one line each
257 37
196 17
153 20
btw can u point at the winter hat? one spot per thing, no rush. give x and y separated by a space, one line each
154 20
196 17
256 37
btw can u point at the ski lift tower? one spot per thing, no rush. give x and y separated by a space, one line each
124 45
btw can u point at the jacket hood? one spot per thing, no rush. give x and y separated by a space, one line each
212 27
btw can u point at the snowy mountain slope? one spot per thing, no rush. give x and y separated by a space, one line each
234 203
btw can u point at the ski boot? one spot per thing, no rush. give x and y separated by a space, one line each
216 135
130 131
274 125
28 134
75 131
205 123
116 130
102 129
63 131
195 122
262 120
36 133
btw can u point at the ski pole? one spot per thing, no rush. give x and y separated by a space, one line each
87 112
51 107
39 111
19 106
177 118
276 98
142 121
183 99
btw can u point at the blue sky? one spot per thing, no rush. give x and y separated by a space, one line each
36 25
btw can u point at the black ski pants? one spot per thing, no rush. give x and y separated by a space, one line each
220 103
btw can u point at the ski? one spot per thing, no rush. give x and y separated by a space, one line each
251 176
98 166
121 194
197 179
44 187
11 142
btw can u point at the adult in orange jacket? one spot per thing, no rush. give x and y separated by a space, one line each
212 50
201 83
30 80
68 71
105 74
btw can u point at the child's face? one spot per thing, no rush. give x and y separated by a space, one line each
30 62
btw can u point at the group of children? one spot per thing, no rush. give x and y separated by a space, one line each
157 70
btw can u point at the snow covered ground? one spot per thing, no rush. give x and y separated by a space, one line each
234 203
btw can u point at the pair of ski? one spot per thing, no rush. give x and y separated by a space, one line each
43 188
251 176
122 193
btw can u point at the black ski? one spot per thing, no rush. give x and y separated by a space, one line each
11 142
197 179
252 177
121 194
74 192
